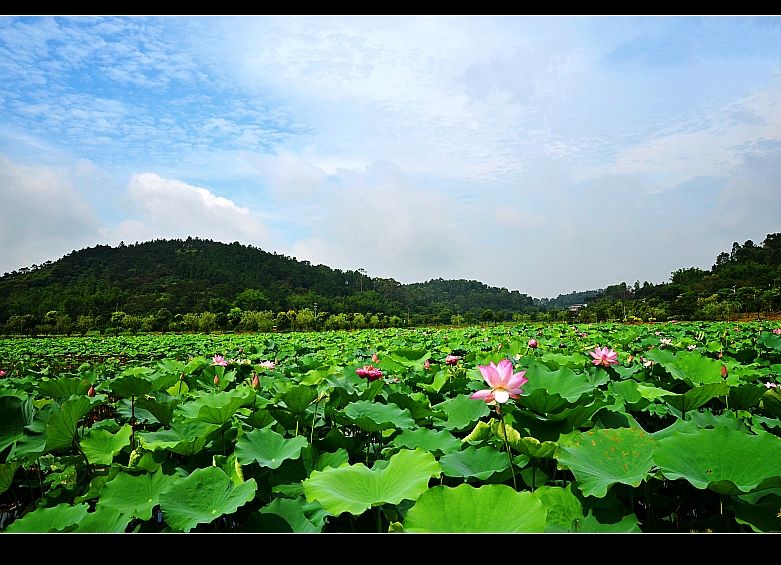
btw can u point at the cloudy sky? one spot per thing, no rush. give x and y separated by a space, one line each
540 154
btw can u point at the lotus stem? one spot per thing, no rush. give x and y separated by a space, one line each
507 447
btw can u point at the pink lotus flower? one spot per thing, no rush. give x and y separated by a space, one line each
452 359
219 360
604 356
2 373
777 331
533 343
369 371
427 364
770 385
375 359
503 382
267 364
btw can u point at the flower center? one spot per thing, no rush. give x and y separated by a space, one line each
501 396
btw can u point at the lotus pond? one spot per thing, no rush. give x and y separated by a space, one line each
377 431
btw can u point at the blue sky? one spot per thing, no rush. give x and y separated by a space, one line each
538 154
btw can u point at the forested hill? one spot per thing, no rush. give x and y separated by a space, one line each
169 277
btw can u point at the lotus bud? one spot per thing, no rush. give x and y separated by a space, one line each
216 380
255 381
91 391
724 371
375 359
533 343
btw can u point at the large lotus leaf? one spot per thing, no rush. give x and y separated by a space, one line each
698 396
230 464
557 360
441 441
408 354
202 496
133 382
480 463
579 414
417 403
479 433
104 520
529 446
292 512
466 509
652 393
216 408
726 461
600 458
770 340
298 398
627 525
564 509
331 459
62 426
7 472
694 368
761 515
746 396
135 495
268 448
185 437
355 488
100 446
461 412
626 391
15 414
161 406
771 402
63 387
373 416
563 382
55 519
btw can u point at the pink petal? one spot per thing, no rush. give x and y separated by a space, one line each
481 394
490 375
517 380
515 392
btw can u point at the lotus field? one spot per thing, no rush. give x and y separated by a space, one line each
531 428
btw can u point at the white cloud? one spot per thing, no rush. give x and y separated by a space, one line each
43 215
288 176
170 208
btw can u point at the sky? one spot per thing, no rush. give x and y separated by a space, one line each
539 154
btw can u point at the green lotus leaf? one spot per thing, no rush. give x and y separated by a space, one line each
480 463
698 396
461 412
231 466
466 509
216 408
600 458
417 403
356 488
727 461
268 448
652 393
104 520
746 396
292 512
7 472
626 391
564 509
56 519
564 382
481 432
202 496
185 437
101 446
129 384
298 398
15 414
63 387
771 402
441 441
62 426
331 459
770 340
627 525
135 495
373 416
761 515
404 354
692 367
161 406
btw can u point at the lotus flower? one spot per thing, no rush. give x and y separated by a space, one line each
503 382
219 360
2 373
604 356
665 341
427 364
770 385
533 343
777 331
267 364
691 347
369 371
452 359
